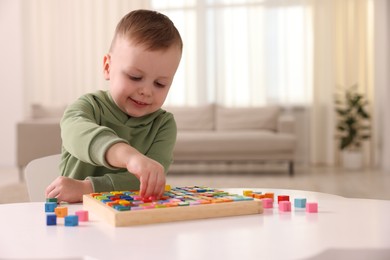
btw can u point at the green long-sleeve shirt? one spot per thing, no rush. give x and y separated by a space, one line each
94 123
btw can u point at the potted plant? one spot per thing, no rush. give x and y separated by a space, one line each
353 125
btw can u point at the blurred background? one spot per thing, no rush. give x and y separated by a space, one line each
238 53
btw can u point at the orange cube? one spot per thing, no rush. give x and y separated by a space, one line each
61 212
258 196
269 195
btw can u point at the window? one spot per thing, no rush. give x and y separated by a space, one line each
242 52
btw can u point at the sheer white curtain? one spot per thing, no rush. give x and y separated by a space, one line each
242 53
343 57
237 53
64 44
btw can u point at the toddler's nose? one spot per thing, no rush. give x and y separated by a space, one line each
145 91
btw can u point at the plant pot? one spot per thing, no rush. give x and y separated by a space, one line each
352 160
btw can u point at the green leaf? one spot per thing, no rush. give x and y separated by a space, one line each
363 113
341 128
342 112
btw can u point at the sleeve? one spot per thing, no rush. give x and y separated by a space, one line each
164 142
115 182
161 150
83 137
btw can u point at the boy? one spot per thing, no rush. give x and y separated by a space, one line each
121 139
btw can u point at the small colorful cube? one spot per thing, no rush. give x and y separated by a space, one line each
50 206
51 219
71 221
61 212
283 198
285 206
300 202
312 207
52 200
83 215
269 195
247 193
267 203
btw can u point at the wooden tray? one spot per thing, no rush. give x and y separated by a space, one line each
216 208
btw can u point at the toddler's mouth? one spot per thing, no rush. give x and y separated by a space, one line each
139 102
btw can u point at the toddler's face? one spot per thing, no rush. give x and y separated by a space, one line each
140 79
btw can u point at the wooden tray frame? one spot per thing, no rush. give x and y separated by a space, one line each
160 215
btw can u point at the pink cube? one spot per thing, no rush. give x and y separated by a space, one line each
312 207
267 203
285 206
82 214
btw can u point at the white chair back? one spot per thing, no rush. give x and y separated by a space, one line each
39 173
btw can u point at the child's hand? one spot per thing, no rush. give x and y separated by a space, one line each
150 174
68 189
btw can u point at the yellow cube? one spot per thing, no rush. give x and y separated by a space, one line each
247 193
124 202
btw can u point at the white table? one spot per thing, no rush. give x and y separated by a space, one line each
342 229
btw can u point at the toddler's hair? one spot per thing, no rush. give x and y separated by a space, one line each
150 28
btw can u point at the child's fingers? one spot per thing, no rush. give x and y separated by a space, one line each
154 187
149 190
160 186
144 179
53 193
49 190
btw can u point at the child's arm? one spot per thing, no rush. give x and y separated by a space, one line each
86 141
149 172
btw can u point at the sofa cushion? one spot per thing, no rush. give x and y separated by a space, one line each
248 118
193 118
233 142
233 146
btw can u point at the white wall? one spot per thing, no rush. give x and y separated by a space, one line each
11 76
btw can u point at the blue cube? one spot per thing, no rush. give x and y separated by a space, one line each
300 203
51 219
71 220
50 206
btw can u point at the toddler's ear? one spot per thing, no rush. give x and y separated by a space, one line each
106 66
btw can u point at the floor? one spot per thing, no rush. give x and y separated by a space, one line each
366 183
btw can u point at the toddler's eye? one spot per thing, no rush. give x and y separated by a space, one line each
160 85
135 78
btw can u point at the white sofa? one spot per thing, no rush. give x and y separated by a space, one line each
209 133
215 133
